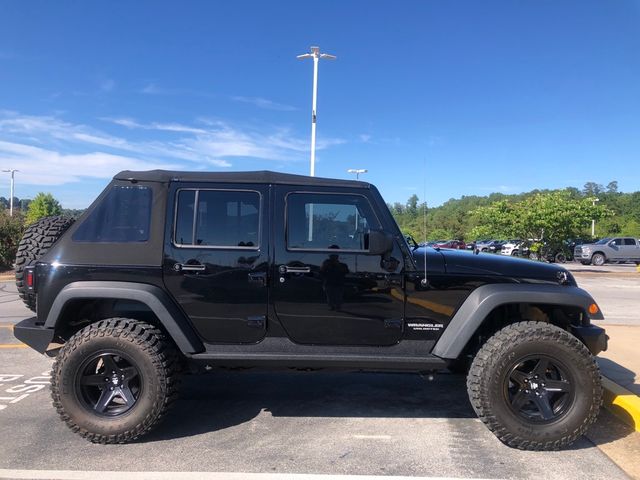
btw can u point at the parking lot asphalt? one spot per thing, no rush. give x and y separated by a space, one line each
329 423
293 422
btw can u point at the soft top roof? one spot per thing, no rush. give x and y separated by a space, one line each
264 176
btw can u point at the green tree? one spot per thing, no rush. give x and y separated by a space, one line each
43 205
553 216
11 229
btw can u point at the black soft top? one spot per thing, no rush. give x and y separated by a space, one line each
263 176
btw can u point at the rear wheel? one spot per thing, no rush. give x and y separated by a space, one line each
38 238
114 380
535 386
598 259
560 257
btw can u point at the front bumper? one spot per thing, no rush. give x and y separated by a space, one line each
33 333
594 338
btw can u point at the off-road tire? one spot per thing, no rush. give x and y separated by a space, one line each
494 361
598 259
38 238
149 351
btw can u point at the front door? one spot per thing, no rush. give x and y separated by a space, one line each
215 261
327 288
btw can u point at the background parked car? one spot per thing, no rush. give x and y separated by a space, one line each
620 249
455 244
511 247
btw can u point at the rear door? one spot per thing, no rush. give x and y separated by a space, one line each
327 288
215 262
631 249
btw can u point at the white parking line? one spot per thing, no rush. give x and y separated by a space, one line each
103 475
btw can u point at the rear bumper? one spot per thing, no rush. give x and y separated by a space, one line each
33 333
592 336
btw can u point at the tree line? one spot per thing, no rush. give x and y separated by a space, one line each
25 212
553 214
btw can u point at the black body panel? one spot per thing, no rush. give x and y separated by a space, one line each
227 300
334 296
33 333
263 302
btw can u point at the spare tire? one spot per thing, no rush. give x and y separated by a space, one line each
38 238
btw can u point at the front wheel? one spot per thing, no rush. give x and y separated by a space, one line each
114 380
535 386
598 259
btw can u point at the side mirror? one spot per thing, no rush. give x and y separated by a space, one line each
380 242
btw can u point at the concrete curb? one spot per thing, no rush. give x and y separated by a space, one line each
622 403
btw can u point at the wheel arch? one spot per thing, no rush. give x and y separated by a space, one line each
104 295
551 301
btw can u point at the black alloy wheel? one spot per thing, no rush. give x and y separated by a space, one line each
115 379
539 389
109 384
535 386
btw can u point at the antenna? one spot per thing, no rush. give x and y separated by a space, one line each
424 282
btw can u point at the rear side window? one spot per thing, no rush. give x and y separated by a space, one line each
123 216
218 218
630 241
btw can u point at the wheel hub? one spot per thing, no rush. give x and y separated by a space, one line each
538 389
108 384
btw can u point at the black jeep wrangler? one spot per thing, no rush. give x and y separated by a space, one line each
174 271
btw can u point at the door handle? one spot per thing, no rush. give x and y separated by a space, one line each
185 267
259 278
288 269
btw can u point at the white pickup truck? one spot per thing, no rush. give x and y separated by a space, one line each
621 249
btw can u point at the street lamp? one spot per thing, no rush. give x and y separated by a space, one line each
316 55
593 221
12 171
357 171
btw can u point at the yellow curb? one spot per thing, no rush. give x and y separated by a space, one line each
12 345
622 403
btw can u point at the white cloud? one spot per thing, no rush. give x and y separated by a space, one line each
364 137
107 84
264 103
153 89
52 151
40 166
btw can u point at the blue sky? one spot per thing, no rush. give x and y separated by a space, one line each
467 97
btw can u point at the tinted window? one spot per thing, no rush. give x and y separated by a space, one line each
124 215
629 241
224 218
184 217
617 241
317 221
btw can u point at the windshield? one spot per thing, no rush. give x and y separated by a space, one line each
603 241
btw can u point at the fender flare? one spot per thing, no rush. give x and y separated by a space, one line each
170 316
484 299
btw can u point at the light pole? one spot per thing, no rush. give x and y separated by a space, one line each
12 171
593 221
357 171
316 55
